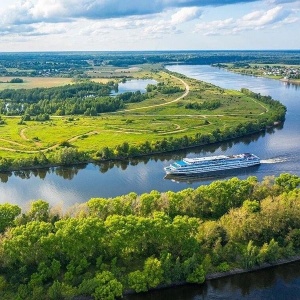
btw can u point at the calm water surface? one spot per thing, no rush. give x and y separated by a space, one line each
279 150
134 85
278 283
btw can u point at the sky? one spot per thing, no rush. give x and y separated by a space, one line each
117 25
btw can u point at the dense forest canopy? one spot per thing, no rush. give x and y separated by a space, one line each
138 242
88 98
76 63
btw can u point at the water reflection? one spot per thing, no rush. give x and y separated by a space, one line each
69 172
280 282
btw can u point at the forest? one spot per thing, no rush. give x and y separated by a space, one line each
107 247
78 63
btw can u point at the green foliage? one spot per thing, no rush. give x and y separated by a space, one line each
16 80
60 290
197 276
153 272
68 156
108 288
137 281
270 252
223 267
250 256
39 211
287 182
140 242
207 105
251 206
8 213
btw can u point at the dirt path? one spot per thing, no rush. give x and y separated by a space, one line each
22 134
12 142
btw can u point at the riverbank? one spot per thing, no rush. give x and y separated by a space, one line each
253 72
233 272
14 168
291 81
219 275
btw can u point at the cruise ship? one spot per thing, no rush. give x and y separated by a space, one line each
189 166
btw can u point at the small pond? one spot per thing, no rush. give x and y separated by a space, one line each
134 85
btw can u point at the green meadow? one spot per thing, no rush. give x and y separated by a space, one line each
158 117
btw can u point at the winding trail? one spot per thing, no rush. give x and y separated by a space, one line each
23 136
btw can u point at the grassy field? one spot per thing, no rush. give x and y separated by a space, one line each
151 120
34 82
40 82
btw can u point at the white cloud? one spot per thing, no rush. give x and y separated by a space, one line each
214 27
51 11
277 16
101 24
186 14
260 19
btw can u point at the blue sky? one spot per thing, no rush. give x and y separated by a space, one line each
56 25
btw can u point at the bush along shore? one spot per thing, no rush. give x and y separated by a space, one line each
106 247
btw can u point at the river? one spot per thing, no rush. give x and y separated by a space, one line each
64 187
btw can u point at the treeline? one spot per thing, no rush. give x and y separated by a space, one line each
132 97
64 156
138 242
206 105
90 106
87 98
79 90
164 89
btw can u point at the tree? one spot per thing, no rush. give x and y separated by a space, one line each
108 287
59 290
251 206
16 80
137 281
250 256
8 213
153 272
197 276
269 252
287 182
67 156
39 211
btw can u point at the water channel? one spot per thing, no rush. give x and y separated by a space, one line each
278 148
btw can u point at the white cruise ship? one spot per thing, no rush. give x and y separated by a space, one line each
188 166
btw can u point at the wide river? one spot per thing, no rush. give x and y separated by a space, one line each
64 187
279 150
